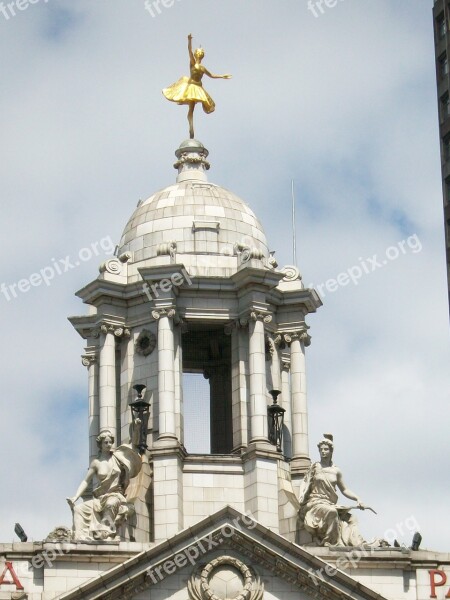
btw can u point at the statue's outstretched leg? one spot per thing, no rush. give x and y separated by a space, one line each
191 119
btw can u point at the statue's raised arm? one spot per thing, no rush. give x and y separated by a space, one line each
189 90
191 54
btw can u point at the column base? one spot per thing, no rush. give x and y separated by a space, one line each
300 465
262 444
167 442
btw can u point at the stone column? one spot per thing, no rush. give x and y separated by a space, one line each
275 362
300 446
257 370
90 361
221 422
239 380
178 377
107 380
166 373
286 404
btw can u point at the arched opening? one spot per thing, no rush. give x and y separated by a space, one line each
207 351
196 409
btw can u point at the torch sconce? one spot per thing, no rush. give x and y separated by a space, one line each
141 412
275 417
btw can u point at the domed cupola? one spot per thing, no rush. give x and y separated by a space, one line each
194 300
194 222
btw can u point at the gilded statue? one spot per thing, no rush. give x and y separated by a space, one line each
189 90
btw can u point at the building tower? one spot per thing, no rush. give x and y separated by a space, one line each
441 13
193 288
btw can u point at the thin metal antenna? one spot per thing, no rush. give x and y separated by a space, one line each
294 233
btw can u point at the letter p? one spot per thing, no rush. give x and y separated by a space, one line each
47 274
433 583
192 554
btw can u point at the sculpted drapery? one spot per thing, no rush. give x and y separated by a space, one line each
100 517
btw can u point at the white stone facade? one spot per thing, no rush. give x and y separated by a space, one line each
225 542
194 274
195 289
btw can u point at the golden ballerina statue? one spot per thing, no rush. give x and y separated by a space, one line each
189 90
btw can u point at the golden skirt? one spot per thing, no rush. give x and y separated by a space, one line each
185 92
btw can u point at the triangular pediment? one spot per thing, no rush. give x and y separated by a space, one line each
225 549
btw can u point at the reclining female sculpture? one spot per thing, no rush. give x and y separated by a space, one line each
100 517
329 523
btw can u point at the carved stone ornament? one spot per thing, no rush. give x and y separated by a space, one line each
305 338
126 257
291 337
163 312
291 273
88 359
272 261
60 534
113 266
285 365
271 347
245 253
117 330
145 343
225 577
193 159
260 316
167 249
300 334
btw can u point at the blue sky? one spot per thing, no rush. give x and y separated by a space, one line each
344 104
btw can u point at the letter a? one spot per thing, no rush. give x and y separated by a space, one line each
15 581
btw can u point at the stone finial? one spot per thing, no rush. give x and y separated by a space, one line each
191 163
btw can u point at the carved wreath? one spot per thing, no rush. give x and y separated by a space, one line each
145 343
199 588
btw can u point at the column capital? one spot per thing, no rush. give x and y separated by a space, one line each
274 342
88 359
285 365
297 334
108 327
257 315
241 323
157 313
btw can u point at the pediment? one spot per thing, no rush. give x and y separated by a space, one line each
225 556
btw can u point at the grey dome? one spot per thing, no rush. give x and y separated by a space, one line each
177 213
197 223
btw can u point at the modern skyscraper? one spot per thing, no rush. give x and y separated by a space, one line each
441 12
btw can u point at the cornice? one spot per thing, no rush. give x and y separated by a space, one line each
260 545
